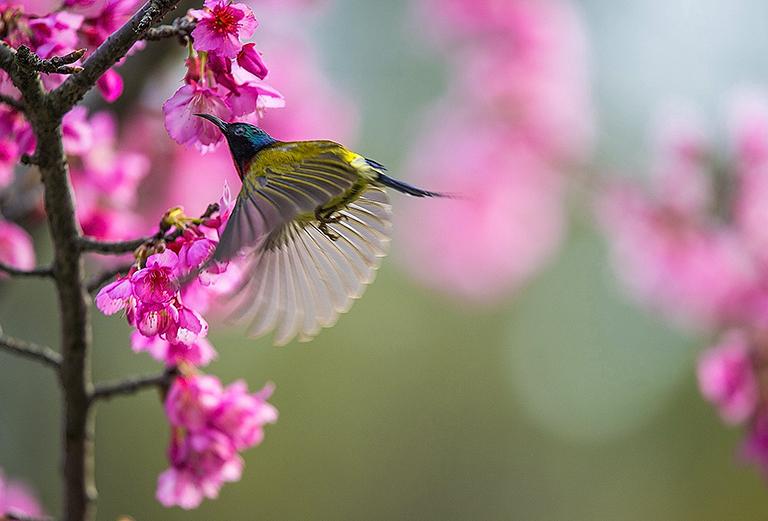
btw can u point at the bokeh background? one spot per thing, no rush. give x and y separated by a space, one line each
561 401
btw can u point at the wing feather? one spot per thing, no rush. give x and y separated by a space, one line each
303 284
298 280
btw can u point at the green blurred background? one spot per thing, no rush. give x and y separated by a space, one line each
564 403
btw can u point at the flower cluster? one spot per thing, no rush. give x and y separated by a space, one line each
211 425
516 114
15 498
223 76
105 180
695 247
78 24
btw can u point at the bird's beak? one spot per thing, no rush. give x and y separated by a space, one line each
216 121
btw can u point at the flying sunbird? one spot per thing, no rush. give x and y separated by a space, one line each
313 222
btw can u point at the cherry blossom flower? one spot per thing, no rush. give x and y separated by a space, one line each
16 247
211 425
197 354
191 400
221 26
156 284
186 129
727 379
243 415
250 59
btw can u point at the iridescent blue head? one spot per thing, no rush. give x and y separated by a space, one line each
244 139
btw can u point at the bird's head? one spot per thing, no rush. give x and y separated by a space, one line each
244 139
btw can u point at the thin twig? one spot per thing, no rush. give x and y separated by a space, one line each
102 278
12 102
181 28
112 248
42 354
130 386
36 272
55 65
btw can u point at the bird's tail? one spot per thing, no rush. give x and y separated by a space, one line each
406 188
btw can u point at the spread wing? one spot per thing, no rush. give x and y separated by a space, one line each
285 182
298 280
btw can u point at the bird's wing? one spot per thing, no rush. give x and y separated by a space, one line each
297 280
285 182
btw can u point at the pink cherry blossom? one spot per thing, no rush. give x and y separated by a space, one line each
197 354
156 283
192 399
9 154
221 27
250 59
110 85
187 129
201 463
16 247
77 134
755 446
727 378
115 296
153 319
189 326
242 416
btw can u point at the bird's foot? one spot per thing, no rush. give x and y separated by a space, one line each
326 218
323 227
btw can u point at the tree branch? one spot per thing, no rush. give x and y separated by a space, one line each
42 354
133 385
99 280
36 272
112 248
12 102
108 53
181 28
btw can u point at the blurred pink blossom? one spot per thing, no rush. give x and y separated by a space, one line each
16 247
16 498
506 221
727 378
755 446
211 425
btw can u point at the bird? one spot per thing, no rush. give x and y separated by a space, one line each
311 224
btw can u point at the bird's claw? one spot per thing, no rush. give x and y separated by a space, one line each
326 218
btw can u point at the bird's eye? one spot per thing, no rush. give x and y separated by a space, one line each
239 131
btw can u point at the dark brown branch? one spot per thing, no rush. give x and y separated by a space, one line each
36 272
108 53
54 65
180 28
99 280
112 248
42 354
133 385
12 102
